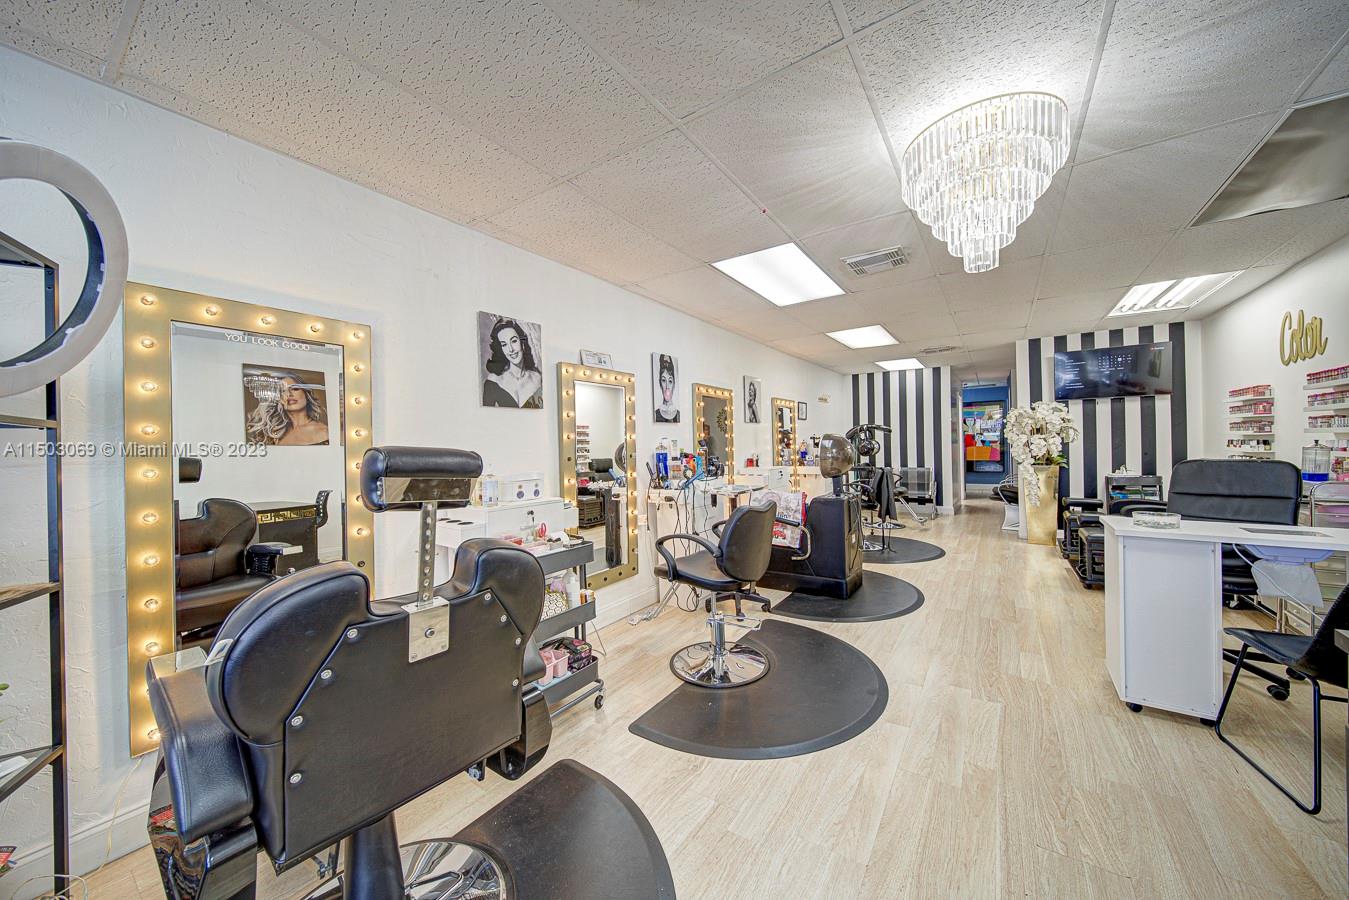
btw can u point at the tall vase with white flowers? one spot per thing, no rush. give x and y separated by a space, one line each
1036 438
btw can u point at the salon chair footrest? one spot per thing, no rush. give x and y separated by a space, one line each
535 733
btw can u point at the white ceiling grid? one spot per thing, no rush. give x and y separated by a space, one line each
640 141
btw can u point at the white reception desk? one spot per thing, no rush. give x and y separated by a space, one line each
1163 606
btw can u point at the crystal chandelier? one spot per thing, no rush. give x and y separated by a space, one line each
975 175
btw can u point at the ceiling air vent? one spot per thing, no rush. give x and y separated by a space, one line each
940 348
874 261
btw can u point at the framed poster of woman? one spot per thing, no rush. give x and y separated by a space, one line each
510 355
665 387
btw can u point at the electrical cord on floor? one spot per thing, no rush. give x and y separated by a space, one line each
73 881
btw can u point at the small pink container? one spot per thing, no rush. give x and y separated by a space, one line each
556 661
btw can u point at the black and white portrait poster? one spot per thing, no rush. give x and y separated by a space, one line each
753 399
665 387
510 357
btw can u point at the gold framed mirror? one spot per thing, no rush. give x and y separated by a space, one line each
597 464
784 432
714 425
244 427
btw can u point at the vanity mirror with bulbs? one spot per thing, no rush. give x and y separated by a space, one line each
714 428
245 426
784 432
597 422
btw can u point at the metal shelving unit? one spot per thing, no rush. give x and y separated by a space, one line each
585 681
53 755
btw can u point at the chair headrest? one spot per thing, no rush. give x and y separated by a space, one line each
407 477
189 470
602 464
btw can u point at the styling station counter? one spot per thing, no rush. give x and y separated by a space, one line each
1163 606
779 478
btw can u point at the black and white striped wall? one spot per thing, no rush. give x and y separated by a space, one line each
918 407
1147 435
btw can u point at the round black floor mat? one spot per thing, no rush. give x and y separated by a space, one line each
902 550
819 691
880 597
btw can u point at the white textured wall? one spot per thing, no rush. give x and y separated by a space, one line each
206 212
1243 347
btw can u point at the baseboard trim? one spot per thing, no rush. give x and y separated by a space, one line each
88 847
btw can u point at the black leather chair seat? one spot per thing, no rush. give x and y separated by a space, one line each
700 569
209 604
1284 649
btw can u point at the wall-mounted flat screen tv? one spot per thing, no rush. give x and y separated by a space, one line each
1135 371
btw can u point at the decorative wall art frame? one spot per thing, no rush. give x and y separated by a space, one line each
753 400
664 388
510 362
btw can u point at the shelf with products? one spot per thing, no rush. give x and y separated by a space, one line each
1322 379
1250 392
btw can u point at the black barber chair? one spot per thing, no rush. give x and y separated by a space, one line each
217 564
319 712
728 570
829 562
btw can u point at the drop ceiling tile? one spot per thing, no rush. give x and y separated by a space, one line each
259 72
1009 284
983 340
1003 316
1096 268
807 146
573 229
1230 245
950 358
993 358
862 13
1329 229
901 229
1171 66
705 292
831 314
1156 188
767 325
942 56
808 345
36 45
1334 79
674 191
1239 287
937 328
1072 313
513 71
891 301
87 28
689 54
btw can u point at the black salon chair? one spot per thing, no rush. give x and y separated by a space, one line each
1315 659
728 570
319 712
217 564
321 509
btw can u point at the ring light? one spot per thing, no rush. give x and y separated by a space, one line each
104 281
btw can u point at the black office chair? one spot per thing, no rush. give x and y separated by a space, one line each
319 712
1314 658
728 569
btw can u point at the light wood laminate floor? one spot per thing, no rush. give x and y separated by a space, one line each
1004 765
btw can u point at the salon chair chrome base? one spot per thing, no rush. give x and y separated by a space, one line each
438 870
713 664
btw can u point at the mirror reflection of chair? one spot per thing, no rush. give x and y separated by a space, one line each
319 713
217 563
728 570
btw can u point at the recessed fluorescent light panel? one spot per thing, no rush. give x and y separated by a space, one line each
900 365
1165 296
782 275
862 338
